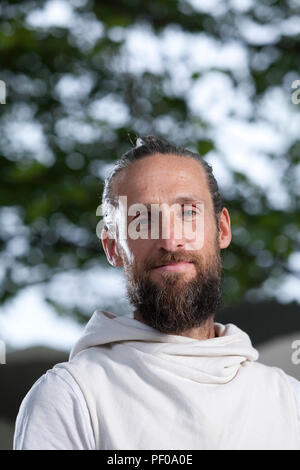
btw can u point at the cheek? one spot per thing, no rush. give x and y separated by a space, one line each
137 250
205 238
197 234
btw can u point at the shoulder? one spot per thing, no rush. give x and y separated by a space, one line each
56 382
53 414
274 374
295 384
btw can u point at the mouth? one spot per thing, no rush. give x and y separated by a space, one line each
180 266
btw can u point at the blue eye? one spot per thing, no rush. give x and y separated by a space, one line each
189 213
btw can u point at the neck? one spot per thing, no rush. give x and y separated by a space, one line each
205 331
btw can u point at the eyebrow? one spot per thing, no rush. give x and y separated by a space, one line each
188 199
180 199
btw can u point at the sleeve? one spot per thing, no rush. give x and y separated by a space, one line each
54 416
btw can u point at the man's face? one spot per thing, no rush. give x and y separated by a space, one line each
173 283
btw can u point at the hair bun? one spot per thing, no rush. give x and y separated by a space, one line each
139 142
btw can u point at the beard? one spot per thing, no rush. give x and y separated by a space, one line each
176 304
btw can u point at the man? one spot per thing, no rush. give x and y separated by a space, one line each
170 377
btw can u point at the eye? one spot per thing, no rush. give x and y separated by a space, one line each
145 221
139 220
189 213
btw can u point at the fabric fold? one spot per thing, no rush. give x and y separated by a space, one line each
216 360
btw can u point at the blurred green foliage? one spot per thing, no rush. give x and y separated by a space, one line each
54 147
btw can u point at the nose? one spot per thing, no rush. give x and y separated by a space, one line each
170 244
170 232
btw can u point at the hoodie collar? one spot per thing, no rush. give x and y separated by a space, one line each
217 359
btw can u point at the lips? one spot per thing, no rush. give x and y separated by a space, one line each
179 266
171 263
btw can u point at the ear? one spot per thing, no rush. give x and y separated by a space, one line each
224 229
111 249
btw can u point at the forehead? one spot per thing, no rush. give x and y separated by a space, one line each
161 178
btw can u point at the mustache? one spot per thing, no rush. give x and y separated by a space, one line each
175 257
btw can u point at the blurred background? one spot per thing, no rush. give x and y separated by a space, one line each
83 79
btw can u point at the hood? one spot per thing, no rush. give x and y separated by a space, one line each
215 360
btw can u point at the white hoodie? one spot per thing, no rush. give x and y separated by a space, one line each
128 386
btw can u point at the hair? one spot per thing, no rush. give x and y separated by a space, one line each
145 147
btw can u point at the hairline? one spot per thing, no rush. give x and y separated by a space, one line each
112 197
122 170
